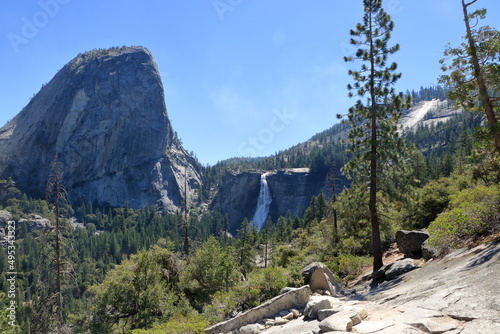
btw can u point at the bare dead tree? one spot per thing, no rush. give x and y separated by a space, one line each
48 305
186 221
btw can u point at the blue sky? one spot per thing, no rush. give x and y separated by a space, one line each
241 77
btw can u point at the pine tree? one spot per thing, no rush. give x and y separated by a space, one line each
246 242
374 138
475 70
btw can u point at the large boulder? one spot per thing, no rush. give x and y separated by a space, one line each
337 322
319 303
319 277
410 242
393 270
399 267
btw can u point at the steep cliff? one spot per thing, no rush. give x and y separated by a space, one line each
104 116
291 191
237 197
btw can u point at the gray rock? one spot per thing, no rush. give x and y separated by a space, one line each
5 217
400 267
252 329
297 298
323 314
35 222
410 242
280 321
269 323
356 313
481 326
336 322
319 277
429 252
287 289
319 303
374 326
436 324
296 313
283 313
104 116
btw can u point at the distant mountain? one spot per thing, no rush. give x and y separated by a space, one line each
325 148
103 115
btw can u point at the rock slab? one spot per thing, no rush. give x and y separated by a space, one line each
297 298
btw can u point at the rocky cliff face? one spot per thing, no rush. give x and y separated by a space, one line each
291 192
104 116
237 197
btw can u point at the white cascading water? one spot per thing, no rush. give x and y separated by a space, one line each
263 203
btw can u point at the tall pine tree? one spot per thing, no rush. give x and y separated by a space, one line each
374 138
474 75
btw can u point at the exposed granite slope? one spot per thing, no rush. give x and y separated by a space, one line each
104 115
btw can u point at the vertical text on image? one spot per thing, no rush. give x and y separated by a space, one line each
11 274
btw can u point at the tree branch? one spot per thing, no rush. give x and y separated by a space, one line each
470 3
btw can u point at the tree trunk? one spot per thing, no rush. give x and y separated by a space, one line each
483 91
376 243
186 222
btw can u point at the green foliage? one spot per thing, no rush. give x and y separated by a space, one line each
457 61
262 285
375 143
7 325
348 266
211 269
193 323
137 292
246 246
434 197
474 71
428 93
472 213
354 228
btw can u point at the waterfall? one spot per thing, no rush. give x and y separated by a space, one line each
263 203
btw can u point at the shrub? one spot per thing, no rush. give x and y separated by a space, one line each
472 213
212 267
193 323
434 197
348 266
262 285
